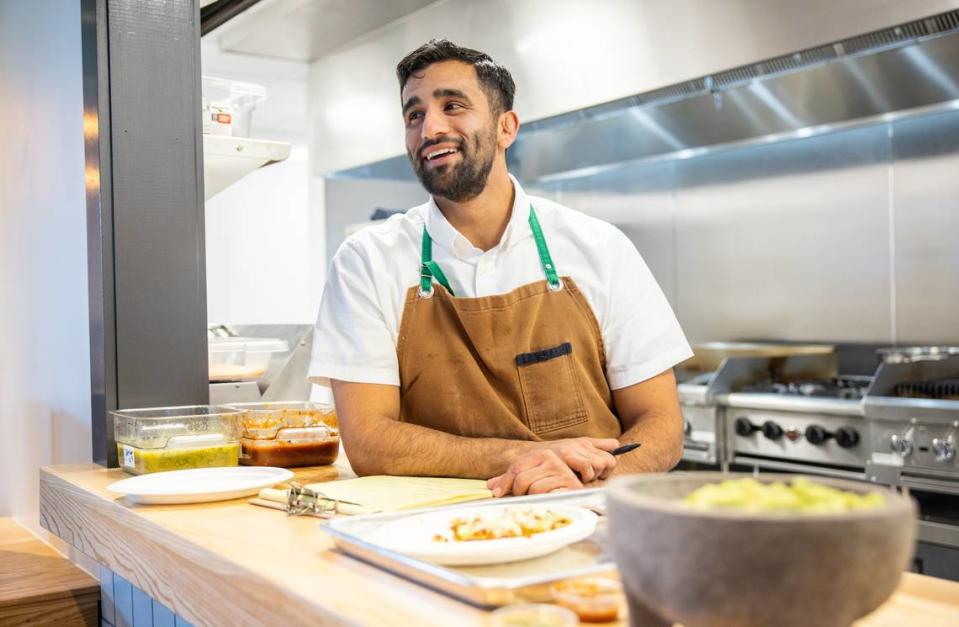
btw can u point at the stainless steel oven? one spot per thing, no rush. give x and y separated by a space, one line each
913 412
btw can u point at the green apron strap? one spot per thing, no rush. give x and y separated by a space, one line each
544 257
430 269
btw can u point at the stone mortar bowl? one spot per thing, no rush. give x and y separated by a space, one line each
728 567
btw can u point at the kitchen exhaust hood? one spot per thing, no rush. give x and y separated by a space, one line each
898 71
228 159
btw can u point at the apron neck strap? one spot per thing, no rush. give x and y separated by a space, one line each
430 269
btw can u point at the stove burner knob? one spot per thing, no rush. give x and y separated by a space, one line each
901 444
744 427
771 430
944 449
816 434
687 427
847 437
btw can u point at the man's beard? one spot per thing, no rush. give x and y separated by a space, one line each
461 181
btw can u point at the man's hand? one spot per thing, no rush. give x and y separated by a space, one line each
561 464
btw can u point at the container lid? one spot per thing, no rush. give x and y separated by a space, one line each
280 420
176 413
192 426
317 433
247 344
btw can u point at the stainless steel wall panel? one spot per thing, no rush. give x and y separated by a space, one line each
641 204
925 204
848 236
786 241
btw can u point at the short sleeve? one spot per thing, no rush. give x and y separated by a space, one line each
640 331
352 341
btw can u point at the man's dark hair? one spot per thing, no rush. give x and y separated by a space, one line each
494 78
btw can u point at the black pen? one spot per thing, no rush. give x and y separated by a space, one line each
625 448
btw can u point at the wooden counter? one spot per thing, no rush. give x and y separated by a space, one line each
232 563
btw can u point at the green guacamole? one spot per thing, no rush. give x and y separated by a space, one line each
802 495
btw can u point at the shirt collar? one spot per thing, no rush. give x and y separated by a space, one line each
444 234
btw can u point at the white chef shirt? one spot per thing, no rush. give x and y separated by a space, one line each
362 305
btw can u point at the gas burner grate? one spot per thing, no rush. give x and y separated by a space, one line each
844 388
939 389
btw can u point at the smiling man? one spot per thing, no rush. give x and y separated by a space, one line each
489 333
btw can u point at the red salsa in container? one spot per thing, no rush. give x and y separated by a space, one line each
288 434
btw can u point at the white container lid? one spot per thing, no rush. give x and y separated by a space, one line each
247 344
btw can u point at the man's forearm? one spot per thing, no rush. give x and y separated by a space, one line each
400 448
662 445
377 443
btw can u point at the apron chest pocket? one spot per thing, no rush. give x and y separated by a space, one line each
551 391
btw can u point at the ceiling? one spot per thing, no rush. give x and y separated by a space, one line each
303 30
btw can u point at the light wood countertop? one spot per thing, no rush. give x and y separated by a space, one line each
232 563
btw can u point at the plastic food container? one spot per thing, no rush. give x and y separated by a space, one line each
228 106
288 434
176 438
533 615
241 358
593 599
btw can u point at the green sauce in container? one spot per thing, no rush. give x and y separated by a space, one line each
141 461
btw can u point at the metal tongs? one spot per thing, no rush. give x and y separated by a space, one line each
302 500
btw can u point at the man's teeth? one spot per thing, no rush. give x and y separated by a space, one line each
439 153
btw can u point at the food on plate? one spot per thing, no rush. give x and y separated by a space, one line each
141 461
594 599
498 524
802 495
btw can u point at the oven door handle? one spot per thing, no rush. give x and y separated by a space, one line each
798 468
914 482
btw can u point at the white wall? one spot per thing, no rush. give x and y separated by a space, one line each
262 232
44 359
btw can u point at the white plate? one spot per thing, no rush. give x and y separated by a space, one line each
413 536
199 485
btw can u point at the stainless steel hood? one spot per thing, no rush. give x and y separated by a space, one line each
901 70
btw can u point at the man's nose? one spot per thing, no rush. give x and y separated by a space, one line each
434 124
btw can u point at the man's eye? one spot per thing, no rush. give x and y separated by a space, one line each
453 105
415 115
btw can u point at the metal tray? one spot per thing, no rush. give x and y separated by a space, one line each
495 584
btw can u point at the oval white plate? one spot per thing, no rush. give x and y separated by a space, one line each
199 485
413 536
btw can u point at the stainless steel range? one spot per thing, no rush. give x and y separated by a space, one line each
708 375
913 411
796 414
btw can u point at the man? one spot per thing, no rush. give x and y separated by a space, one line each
487 333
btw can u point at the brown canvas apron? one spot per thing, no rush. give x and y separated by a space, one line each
529 364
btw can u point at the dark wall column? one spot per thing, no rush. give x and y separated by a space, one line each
145 224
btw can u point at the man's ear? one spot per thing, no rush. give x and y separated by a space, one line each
508 129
